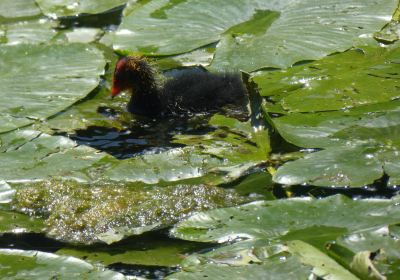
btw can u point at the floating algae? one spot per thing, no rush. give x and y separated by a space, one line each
83 213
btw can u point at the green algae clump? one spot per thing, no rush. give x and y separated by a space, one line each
108 212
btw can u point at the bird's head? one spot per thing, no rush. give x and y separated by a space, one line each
131 73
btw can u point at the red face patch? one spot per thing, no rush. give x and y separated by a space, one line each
116 84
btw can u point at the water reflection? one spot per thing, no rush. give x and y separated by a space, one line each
143 136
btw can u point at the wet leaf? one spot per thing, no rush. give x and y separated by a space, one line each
72 7
152 249
284 268
323 265
29 32
258 234
41 80
58 156
263 28
18 8
31 155
22 264
360 145
79 213
234 141
271 219
337 82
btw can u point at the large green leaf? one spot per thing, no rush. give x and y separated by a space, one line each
252 34
271 219
234 141
306 229
62 8
29 32
337 82
20 264
274 270
30 155
151 249
360 145
37 81
18 8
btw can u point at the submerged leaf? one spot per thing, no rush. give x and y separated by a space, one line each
86 214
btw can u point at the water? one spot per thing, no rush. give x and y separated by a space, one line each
144 136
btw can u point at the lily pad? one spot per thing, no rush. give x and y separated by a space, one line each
337 82
31 155
293 229
18 8
58 156
161 28
86 214
283 268
41 80
148 249
360 145
271 219
29 32
234 141
62 8
22 264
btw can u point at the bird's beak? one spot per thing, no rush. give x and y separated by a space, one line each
115 90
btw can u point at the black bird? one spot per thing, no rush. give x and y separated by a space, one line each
187 93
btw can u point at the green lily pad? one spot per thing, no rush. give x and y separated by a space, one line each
41 80
323 265
164 27
360 145
18 8
62 8
20 264
304 230
86 214
283 268
234 141
83 35
149 249
271 219
29 32
378 241
31 156
337 82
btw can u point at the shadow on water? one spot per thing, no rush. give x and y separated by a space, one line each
144 136
108 20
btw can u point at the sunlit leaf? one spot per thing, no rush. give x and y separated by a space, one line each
271 219
62 8
360 145
266 231
337 82
22 264
18 8
252 34
41 80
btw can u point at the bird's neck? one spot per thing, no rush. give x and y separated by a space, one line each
145 99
